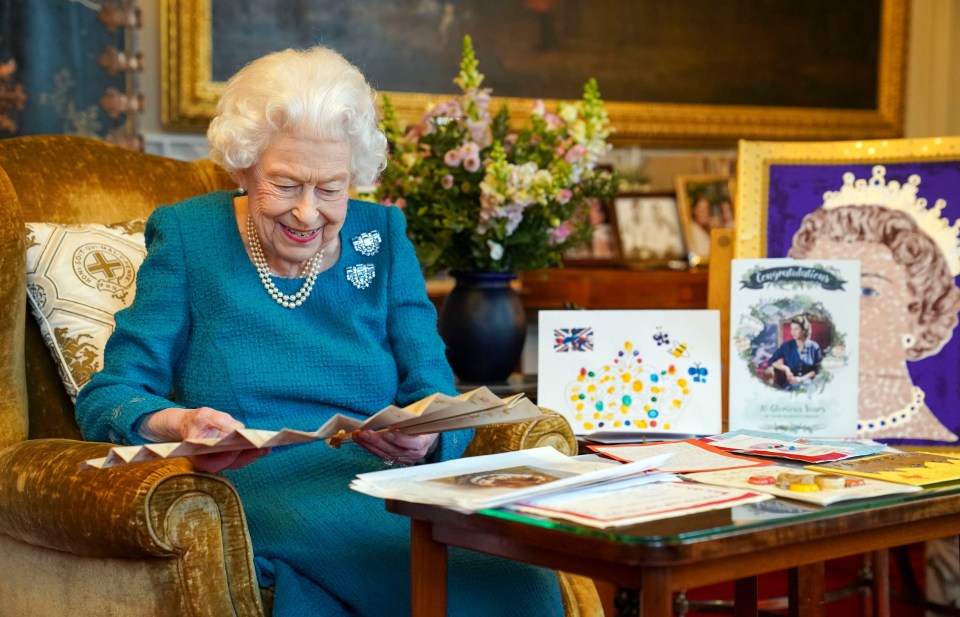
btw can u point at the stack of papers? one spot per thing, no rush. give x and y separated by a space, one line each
778 445
631 502
434 414
686 456
541 481
477 483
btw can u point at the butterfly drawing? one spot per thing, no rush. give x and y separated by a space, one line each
661 337
698 372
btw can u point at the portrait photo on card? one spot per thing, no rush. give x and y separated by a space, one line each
892 205
705 202
649 227
794 346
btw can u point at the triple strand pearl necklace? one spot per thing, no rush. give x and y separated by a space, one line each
310 269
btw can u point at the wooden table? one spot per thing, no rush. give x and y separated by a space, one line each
663 557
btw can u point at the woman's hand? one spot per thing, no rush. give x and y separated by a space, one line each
396 447
176 424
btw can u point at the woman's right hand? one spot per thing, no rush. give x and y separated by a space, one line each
177 424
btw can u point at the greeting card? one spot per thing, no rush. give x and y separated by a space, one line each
623 373
794 329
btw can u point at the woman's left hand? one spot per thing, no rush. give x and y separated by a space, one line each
396 447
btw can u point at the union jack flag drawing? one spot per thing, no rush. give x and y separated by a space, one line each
572 339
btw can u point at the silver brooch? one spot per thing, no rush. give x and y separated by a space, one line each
361 275
367 243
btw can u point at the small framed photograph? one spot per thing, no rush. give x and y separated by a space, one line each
649 228
705 202
604 248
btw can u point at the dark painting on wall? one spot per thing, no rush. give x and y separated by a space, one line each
817 53
692 72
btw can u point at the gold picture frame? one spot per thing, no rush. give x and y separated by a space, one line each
650 229
189 94
704 201
755 159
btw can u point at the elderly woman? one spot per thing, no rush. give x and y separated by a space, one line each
278 306
796 361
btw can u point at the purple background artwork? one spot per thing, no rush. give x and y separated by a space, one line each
797 190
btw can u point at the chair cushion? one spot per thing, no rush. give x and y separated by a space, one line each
78 276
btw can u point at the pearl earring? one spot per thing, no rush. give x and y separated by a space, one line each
908 341
241 191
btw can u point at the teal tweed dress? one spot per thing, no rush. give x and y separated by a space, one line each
203 332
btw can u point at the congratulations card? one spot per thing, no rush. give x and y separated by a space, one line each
617 374
794 329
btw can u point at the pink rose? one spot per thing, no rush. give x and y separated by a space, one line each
471 163
561 232
452 158
575 153
446 182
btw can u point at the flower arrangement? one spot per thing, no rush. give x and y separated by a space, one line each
480 197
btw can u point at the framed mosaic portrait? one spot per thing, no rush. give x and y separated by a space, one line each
892 204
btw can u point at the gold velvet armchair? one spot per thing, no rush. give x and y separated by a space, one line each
150 539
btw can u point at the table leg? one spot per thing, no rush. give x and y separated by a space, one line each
806 592
745 602
880 564
428 568
656 593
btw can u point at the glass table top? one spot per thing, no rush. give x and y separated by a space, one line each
771 513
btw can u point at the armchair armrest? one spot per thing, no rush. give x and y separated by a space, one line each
130 511
183 531
547 430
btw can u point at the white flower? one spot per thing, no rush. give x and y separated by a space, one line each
568 112
496 250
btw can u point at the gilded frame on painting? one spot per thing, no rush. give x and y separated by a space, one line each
189 94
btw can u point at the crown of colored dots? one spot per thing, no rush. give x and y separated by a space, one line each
903 198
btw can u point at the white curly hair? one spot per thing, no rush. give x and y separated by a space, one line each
313 93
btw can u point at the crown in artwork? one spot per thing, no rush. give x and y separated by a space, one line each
903 198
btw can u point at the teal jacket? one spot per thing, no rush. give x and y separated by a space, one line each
202 331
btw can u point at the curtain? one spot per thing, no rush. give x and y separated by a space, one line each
56 45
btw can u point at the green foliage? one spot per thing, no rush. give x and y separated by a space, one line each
481 196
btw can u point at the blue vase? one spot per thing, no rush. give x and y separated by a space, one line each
483 324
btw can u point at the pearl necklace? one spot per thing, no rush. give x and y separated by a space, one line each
310 268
